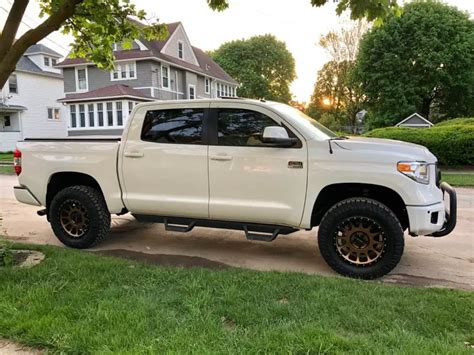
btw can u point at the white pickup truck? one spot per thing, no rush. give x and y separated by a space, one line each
262 167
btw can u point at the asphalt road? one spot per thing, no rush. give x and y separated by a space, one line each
427 262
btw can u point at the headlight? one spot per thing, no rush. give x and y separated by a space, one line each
415 170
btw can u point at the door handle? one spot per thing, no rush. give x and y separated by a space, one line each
133 154
221 157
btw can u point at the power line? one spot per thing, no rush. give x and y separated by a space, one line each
31 28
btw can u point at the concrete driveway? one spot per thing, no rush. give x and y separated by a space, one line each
430 262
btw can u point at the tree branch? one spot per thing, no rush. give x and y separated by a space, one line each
11 25
51 24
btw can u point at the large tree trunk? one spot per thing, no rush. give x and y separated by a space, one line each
11 50
425 107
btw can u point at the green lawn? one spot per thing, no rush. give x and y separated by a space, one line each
6 170
6 156
457 179
79 302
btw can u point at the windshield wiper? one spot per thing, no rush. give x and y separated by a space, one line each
339 138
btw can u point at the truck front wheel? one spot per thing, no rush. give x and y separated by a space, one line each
361 238
79 216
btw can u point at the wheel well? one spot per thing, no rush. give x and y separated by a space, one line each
335 193
60 181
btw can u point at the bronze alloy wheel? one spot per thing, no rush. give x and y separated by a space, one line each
74 218
360 241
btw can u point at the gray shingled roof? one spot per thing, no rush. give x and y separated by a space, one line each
25 64
41 48
206 66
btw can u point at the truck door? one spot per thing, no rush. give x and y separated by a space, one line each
164 165
250 181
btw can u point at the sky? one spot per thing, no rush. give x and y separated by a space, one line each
295 22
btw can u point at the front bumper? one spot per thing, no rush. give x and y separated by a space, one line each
434 220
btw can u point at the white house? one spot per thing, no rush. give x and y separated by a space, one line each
415 120
28 102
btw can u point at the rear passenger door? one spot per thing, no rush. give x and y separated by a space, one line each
164 161
250 181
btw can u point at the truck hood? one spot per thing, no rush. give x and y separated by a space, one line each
387 148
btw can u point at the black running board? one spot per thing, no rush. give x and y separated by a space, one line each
253 231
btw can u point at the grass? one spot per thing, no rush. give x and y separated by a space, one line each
6 170
6 156
456 179
79 302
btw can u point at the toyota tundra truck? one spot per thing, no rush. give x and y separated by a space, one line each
261 167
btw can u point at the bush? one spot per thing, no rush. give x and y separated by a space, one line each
452 144
469 121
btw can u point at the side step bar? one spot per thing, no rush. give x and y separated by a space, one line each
253 231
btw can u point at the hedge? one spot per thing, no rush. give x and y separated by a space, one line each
457 121
453 145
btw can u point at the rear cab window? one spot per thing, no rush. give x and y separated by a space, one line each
174 126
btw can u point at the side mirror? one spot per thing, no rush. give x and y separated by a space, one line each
277 136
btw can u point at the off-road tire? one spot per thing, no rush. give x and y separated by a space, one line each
368 209
94 206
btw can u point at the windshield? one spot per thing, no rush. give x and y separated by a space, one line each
316 128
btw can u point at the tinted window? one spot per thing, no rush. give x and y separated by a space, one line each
236 127
182 126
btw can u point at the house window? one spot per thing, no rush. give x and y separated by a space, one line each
81 76
191 92
6 121
46 62
90 109
82 116
100 114
73 116
13 84
124 71
180 50
165 81
54 61
54 113
118 111
130 107
207 85
110 114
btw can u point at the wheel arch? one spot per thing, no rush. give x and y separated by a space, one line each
60 180
334 193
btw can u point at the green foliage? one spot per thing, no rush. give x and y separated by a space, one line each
452 145
335 84
6 253
469 121
96 25
78 302
330 121
262 64
422 61
370 9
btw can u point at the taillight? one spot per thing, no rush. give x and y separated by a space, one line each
17 161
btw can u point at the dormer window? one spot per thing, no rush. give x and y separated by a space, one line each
54 61
46 62
81 79
180 50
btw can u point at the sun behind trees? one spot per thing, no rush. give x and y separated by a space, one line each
336 98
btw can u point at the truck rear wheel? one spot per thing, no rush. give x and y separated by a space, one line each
79 216
361 238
